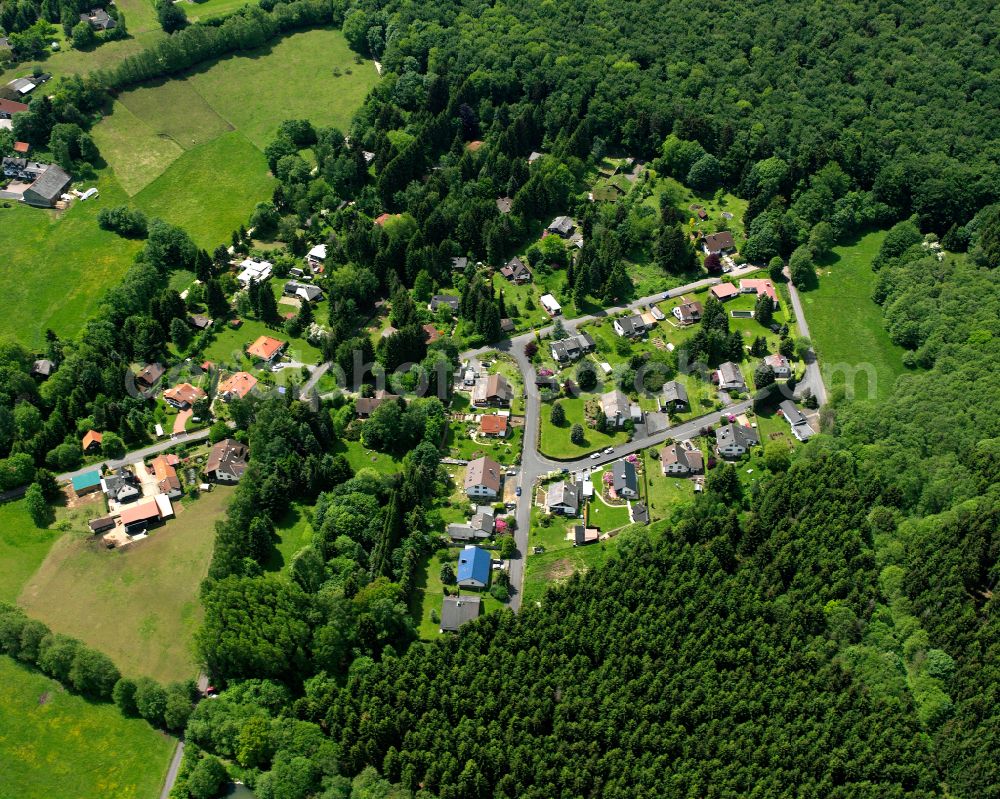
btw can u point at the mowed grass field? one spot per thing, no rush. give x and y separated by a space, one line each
846 324
23 547
54 745
57 266
139 606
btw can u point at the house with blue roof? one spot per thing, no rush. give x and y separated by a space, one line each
86 483
473 568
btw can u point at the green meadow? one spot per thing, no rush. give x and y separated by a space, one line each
54 745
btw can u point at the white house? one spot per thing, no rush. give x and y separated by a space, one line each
616 407
316 257
549 304
735 440
629 326
796 421
483 478
255 270
730 377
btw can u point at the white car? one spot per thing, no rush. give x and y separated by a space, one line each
594 456
609 450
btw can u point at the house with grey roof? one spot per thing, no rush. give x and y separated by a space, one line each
616 407
797 421
735 440
730 377
445 299
47 188
457 610
630 326
780 364
563 497
480 527
99 19
625 481
676 460
562 226
675 396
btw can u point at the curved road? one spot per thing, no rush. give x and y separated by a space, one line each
534 464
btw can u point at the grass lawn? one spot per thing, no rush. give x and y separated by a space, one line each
558 563
555 441
846 325
226 348
603 516
138 152
140 606
428 595
504 451
80 263
294 532
210 202
23 547
59 746
359 457
664 494
156 105
295 80
199 12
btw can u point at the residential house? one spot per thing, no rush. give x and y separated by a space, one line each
534 156
86 483
99 20
254 269
724 291
562 226
150 375
504 204
473 568
492 390
796 421
760 286
678 461
630 326
479 528
563 497
482 478
639 513
236 386
316 257
780 364
549 305
688 313
183 396
227 461
101 525
625 481
167 481
365 406
548 382
122 486
139 518
459 263
431 333
200 321
735 440
92 441
565 351
438 300
516 271
303 291
43 368
381 219
47 187
718 243
675 396
730 377
585 535
493 426
7 110
457 610
266 349
616 407
507 325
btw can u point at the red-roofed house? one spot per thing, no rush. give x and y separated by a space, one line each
10 107
21 147
265 348
493 425
183 395
236 386
760 286
724 291
381 219
92 441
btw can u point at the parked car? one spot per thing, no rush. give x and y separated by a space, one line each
564 470
517 491
594 456
609 450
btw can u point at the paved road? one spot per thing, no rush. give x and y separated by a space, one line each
317 373
813 380
534 464
175 764
139 454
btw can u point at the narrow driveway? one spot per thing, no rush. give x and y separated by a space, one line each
813 380
138 455
175 765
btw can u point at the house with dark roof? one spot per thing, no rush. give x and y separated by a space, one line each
492 390
718 243
675 396
638 513
303 291
200 321
516 271
688 313
735 440
507 325
563 497
122 486
562 226
797 421
625 482
730 377
47 188
365 406
457 610
150 375
630 326
479 528
101 525
451 302
227 461
99 20
569 349
678 461
473 568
